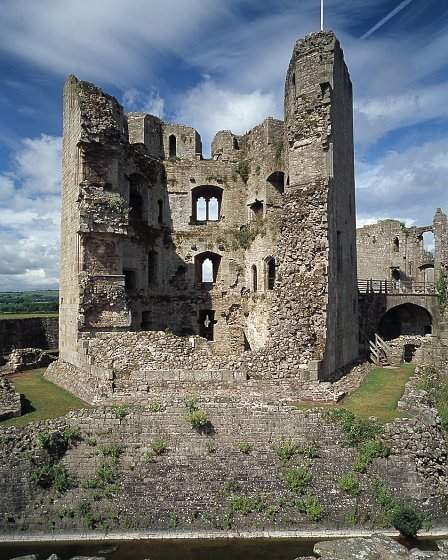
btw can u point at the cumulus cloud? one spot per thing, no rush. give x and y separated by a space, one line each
210 107
29 216
135 100
405 185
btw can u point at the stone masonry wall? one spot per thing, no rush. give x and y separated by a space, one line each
204 480
26 333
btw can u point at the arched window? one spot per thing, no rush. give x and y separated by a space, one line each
160 212
254 278
277 180
207 266
172 141
270 273
396 245
206 204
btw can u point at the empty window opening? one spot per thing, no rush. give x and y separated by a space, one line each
172 146
408 352
206 324
256 210
254 278
136 204
270 273
395 274
130 280
206 204
207 271
293 81
152 268
277 180
147 321
428 242
396 245
213 209
207 266
160 213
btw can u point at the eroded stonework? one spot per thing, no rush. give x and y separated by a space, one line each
247 260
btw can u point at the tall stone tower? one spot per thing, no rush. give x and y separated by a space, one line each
318 255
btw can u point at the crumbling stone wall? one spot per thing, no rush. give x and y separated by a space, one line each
10 402
135 239
25 333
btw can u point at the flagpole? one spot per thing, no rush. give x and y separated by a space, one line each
321 15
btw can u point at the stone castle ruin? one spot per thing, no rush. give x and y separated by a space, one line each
234 269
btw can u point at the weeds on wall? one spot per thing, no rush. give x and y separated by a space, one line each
442 290
243 169
436 387
196 417
53 475
120 411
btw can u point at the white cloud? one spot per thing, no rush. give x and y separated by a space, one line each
210 107
29 216
136 100
406 185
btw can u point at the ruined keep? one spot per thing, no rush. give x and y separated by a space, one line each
242 266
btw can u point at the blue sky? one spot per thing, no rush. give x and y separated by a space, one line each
215 64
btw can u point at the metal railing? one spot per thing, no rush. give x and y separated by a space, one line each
396 287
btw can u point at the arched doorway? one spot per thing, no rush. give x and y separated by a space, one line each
405 319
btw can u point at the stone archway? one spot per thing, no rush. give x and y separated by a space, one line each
405 319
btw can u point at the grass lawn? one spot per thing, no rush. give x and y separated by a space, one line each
42 399
378 395
26 315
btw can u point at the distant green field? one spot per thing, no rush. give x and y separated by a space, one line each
26 315
40 301
42 399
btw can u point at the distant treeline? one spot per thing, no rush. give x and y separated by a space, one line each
29 302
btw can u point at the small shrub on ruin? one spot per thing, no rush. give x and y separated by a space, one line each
211 447
112 450
91 441
120 411
52 475
174 520
311 507
248 504
286 450
57 442
297 479
245 447
231 487
367 452
355 429
198 419
156 407
106 474
349 483
310 450
407 520
243 169
159 446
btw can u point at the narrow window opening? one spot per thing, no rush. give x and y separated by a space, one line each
146 321
136 204
213 209
396 274
130 280
396 245
172 146
254 278
270 273
207 271
160 214
206 324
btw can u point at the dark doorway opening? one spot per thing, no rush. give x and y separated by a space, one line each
408 352
206 324
406 319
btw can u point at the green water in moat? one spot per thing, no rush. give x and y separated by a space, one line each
197 549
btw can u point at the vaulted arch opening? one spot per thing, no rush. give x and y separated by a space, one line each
405 319
277 180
